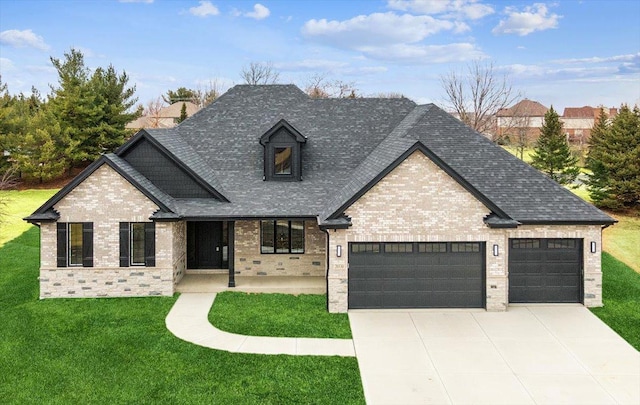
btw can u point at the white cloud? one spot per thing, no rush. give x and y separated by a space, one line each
23 39
311 65
6 64
259 12
377 29
204 9
425 54
468 9
531 19
596 59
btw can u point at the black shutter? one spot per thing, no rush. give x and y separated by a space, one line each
124 244
62 244
150 244
87 244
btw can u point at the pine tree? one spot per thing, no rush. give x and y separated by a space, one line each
183 113
597 182
552 154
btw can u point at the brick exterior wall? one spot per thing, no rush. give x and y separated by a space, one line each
418 201
250 262
106 199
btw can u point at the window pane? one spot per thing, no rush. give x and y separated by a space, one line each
282 160
297 236
465 247
282 236
398 247
267 231
432 247
75 244
137 243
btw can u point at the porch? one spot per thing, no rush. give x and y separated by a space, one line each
206 283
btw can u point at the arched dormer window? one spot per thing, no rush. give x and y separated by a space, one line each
282 156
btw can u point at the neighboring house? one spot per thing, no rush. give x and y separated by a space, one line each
166 117
578 122
396 204
521 123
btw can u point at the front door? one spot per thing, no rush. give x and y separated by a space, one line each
204 245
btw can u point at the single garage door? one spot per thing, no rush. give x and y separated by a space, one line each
545 270
416 275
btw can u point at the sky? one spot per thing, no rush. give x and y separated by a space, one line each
560 53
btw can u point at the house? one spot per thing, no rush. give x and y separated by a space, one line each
167 117
393 204
578 122
521 123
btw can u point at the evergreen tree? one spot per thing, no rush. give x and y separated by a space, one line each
614 158
91 109
183 113
597 182
182 94
552 154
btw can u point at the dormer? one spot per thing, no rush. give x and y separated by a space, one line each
282 155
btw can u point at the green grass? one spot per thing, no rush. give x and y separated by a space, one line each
97 351
19 205
622 240
621 297
526 155
278 315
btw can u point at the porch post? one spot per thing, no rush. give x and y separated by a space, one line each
231 236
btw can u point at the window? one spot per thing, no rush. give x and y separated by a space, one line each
365 248
282 161
282 236
465 247
525 243
561 244
137 244
75 244
398 247
432 247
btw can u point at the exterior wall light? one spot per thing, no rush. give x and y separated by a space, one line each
495 250
339 250
593 247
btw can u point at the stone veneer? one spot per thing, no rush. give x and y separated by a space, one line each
418 201
250 262
106 199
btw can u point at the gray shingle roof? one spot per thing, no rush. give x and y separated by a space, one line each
350 144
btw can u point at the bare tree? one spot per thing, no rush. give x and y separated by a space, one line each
391 94
152 112
478 94
8 181
260 73
204 95
318 86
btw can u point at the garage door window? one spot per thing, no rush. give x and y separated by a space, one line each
398 247
561 244
432 248
525 243
365 248
465 247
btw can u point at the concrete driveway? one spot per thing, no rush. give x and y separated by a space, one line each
529 355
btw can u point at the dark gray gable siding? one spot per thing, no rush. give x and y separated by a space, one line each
163 172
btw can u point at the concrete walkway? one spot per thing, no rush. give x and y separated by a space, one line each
188 320
529 355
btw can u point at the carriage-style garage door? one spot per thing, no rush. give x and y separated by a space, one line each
416 275
545 270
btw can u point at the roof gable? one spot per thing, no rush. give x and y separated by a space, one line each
280 128
46 211
163 168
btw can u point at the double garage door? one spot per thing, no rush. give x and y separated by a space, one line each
416 275
452 274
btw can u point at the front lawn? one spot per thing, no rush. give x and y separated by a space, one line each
72 351
19 205
278 315
622 240
621 297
